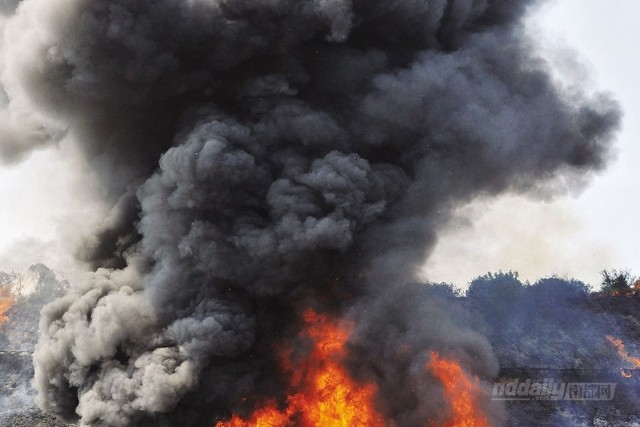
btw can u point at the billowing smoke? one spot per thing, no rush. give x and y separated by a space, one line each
264 156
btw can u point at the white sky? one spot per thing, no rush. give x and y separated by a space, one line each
43 202
47 204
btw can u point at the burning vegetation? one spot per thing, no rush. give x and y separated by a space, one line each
462 392
622 352
18 336
323 383
320 392
7 300
258 155
619 283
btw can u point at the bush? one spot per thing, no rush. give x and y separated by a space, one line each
616 281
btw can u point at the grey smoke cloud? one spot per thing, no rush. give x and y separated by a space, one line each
277 151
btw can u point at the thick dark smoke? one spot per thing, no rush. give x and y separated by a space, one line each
260 155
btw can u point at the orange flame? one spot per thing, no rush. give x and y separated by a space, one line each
622 352
460 390
269 416
6 302
325 394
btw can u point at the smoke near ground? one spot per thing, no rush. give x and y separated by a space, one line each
555 328
28 292
261 157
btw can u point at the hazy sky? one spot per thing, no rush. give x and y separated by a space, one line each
576 236
44 199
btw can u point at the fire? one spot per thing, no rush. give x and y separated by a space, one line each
324 394
269 416
622 352
6 302
460 390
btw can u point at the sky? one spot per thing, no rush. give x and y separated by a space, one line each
578 235
46 204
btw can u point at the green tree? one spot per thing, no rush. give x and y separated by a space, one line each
616 281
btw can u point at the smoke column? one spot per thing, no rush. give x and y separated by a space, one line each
263 156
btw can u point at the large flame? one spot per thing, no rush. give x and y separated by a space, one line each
323 392
325 395
461 391
6 302
622 352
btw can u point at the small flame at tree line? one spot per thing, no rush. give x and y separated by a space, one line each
460 390
326 396
324 393
6 302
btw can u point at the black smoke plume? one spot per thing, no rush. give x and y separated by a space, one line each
262 156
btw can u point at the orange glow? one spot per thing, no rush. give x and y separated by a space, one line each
461 391
269 416
6 302
625 374
622 352
323 392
